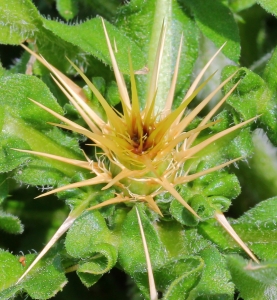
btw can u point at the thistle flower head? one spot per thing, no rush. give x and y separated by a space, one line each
143 149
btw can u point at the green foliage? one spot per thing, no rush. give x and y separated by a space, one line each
268 103
89 241
207 195
253 281
191 258
219 26
19 21
216 280
10 223
51 270
68 9
94 44
269 5
257 225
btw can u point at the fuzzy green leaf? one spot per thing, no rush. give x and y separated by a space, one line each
45 172
15 91
212 231
263 166
270 71
88 239
48 280
181 214
226 185
38 172
186 242
131 253
67 8
56 51
10 292
268 120
240 145
233 145
19 21
177 279
24 124
269 5
44 281
257 228
9 159
268 106
254 281
18 130
88 231
205 207
95 44
247 98
219 26
205 195
10 271
224 119
10 223
173 231
91 270
215 282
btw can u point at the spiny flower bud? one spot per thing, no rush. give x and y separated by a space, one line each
144 149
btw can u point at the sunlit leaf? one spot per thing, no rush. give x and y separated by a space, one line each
19 21
67 8
269 5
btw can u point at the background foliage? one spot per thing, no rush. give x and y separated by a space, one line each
204 262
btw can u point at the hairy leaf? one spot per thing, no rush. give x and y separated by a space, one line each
13 267
88 231
268 104
95 44
219 26
255 282
258 228
10 223
177 279
215 282
131 254
15 91
269 5
67 8
103 261
19 20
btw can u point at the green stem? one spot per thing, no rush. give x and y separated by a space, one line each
72 269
